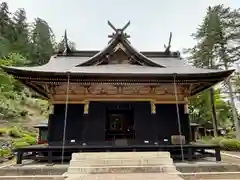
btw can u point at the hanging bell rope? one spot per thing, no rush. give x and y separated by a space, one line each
65 116
178 116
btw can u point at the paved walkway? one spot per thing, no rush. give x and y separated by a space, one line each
235 154
8 163
231 157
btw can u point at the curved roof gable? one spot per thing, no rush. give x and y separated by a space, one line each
119 51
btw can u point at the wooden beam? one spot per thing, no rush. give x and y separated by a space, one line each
117 97
39 89
118 100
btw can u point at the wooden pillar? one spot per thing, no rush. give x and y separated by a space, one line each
19 157
189 124
86 107
153 107
154 121
186 105
85 119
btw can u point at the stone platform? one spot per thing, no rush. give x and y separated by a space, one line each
122 166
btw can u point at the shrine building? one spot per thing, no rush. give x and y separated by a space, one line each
117 93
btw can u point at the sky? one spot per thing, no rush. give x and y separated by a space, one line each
151 20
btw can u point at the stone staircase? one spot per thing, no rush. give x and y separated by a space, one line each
122 166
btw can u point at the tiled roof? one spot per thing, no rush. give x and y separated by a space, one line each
64 64
63 67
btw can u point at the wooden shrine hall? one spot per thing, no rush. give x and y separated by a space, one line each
117 98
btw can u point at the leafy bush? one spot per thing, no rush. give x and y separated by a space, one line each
225 143
5 152
3 131
28 133
43 105
231 135
30 140
14 132
20 144
27 139
230 145
217 140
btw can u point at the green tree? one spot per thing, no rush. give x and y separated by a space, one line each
227 46
43 42
7 82
218 44
21 42
5 30
236 84
203 54
200 109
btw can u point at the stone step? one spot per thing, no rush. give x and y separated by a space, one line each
122 169
109 164
132 176
83 158
121 155
36 177
121 162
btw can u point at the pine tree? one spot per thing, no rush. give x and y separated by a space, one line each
43 42
228 34
21 42
218 37
5 30
203 55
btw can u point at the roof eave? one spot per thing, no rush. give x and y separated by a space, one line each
27 73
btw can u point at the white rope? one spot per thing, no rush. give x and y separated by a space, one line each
178 117
65 117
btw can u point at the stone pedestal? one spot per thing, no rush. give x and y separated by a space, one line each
84 165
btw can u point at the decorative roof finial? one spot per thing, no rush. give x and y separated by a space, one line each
167 48
118 31
66 46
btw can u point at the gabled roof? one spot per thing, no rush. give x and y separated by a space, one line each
119 41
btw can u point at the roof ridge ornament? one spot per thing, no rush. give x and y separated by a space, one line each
66 46
167 48
119 31
63 46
